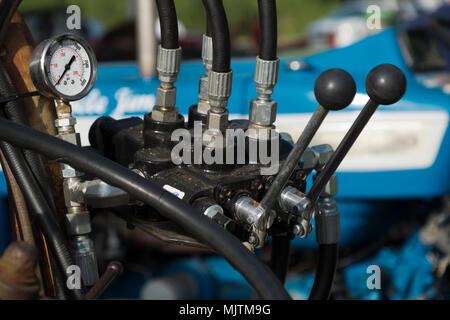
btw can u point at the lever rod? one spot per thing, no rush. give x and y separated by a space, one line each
385 84
342 150
113 270
335 90
293 158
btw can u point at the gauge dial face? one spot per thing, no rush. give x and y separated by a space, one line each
64 67
68 67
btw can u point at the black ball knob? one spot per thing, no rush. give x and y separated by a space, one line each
386 84
335 89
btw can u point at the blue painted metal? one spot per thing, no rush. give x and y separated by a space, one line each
406 273
365 212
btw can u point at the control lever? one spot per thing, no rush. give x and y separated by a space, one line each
385 85
334 90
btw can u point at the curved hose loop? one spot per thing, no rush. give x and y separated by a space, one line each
220 35
254 271
169 23
268 29
323 281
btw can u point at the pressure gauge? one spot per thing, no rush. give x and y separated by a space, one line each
64 67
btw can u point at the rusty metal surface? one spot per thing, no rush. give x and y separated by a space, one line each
18 280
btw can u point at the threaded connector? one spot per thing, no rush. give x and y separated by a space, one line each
84 256
219 88
266 74
168 64
207 52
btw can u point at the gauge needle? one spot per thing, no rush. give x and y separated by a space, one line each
66 68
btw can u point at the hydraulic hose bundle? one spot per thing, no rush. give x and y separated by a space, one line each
255 272
27 169
217 20
218 206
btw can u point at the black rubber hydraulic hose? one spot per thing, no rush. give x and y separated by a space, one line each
220 35
14 111
254 271
267 29
169 24
208 26
39 207
323 282
279 260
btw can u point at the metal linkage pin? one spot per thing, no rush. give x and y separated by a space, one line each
385 85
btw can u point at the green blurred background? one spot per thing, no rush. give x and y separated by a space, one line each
113 12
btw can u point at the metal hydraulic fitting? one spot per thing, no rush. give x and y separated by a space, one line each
327 220
78 220
303 228
207 58
294 201
249 212
327 217
99 194
309 159
324 152
207 52
168 66
84 256
219 91
263 110
331 187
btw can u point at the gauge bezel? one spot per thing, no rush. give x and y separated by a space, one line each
39 74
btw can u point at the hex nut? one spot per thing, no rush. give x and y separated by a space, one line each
73 138
65 122
78 223
217 120
166 97
164 115
203 88
310 158
203 107
263 113
69 172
